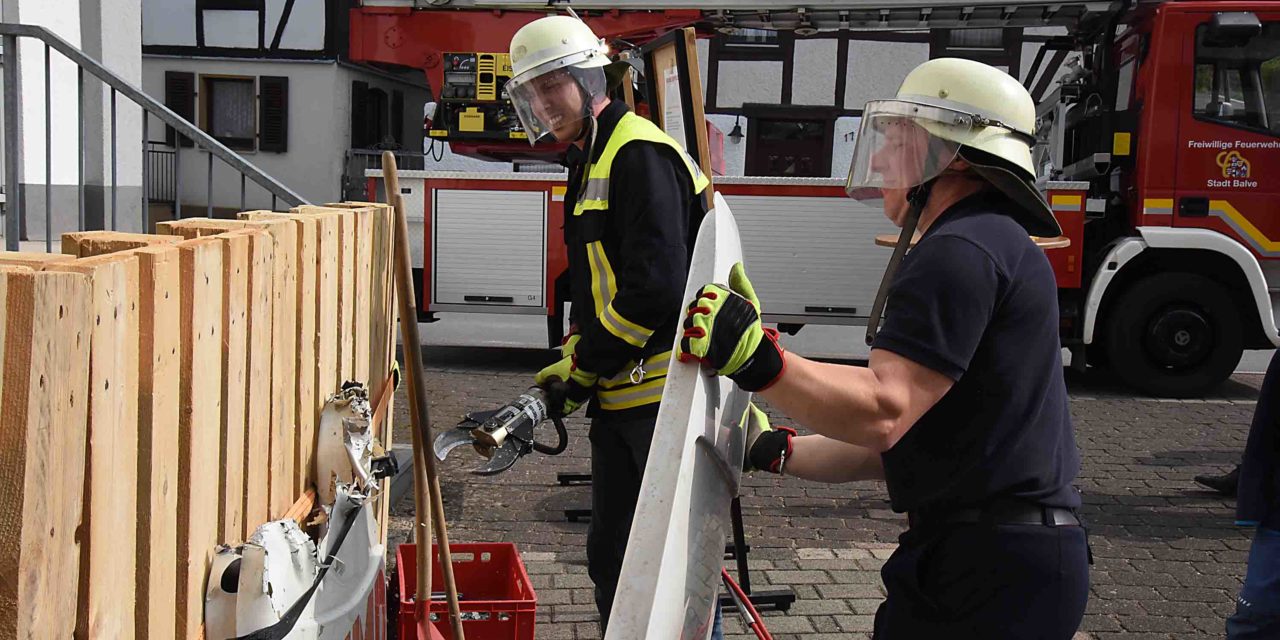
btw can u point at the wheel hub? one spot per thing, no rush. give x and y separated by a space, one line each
1179 337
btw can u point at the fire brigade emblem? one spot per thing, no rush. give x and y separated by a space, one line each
1233 164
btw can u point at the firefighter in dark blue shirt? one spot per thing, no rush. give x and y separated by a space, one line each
633 203
962 409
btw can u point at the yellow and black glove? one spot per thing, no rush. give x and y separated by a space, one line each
768 447
568 387
722 329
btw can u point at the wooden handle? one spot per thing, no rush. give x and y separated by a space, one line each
428 502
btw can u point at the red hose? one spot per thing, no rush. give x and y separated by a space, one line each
748 611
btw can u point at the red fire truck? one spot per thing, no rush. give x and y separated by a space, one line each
1156 147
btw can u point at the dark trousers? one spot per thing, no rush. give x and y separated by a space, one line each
619 450
985 581
1257 613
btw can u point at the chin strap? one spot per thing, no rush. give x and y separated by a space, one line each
589 136
917 197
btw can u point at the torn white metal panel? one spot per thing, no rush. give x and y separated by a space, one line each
353 592
288 587
345 444
671 573
220 595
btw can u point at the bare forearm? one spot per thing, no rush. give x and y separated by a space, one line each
823 459
837 401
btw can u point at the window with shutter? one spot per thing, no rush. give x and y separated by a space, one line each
229 111
359 115
273 95
180 97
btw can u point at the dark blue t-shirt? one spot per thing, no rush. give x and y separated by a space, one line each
976 300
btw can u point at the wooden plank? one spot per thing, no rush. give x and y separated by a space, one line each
301 510
393 317
86 244
382 336
327 369
284 325
109 562
191 228
257 507
308 406
329 273
45 337
346 242
346 296
380 288
32 259
363 304
235 321
159 362
199 415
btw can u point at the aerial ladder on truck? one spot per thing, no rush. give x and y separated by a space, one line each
1159 126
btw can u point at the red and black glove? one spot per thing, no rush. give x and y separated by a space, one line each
722 329
768 447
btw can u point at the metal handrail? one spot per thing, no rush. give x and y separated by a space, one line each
10 32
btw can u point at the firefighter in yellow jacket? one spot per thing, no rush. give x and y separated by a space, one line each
632 210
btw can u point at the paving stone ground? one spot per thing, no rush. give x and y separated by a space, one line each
1167 559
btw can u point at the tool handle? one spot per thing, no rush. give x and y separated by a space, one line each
424 463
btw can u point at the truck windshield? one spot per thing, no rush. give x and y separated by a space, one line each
1239 84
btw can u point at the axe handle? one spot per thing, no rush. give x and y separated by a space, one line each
424 464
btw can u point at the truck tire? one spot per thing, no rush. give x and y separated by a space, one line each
1176 335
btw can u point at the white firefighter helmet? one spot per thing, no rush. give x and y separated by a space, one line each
557 64
948 108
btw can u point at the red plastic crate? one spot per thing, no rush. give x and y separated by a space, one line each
495 595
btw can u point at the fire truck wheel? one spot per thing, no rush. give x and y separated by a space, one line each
1173 334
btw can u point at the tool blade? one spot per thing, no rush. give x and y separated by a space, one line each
503 458
449 440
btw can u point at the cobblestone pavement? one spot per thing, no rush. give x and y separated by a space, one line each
1168 560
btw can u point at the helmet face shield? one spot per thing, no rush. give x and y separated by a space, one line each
901 145
552 100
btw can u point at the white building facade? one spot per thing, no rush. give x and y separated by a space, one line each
269 79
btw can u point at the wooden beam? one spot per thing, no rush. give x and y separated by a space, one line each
200 410
109 563
382 332
45 337
86 244
302 508
308 309
159 363
380 293
346 246
284 363
363 302
235 326
328 224
257 510
34 260
191 228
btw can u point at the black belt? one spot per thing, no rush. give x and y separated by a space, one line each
999 512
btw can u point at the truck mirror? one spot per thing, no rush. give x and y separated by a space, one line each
1233 29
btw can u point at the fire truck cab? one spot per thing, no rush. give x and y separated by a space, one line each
1171 114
